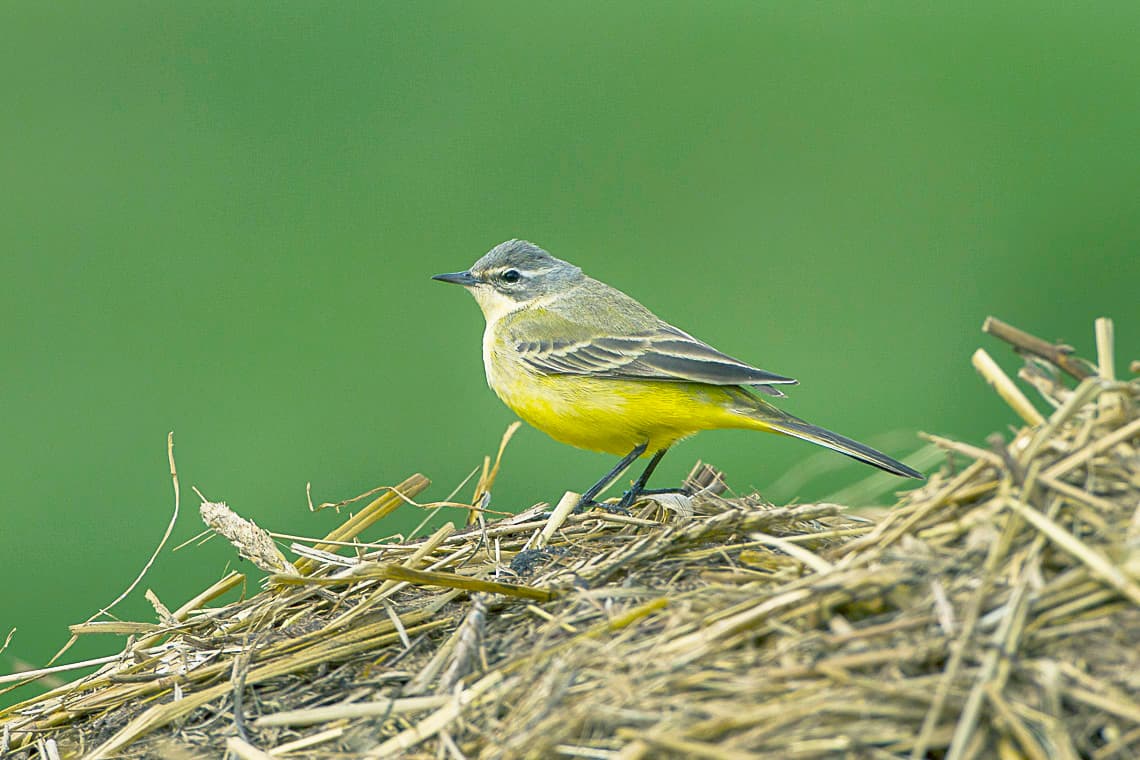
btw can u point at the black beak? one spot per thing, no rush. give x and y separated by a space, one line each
458 278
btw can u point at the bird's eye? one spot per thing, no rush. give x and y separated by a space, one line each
511 276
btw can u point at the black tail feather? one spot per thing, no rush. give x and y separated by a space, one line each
797 428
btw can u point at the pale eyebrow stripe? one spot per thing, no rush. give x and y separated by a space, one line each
520 270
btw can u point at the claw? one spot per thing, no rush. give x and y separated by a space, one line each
630 497
613 509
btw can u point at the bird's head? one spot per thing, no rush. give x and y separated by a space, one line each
512 275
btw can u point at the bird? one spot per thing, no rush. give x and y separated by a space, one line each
593 368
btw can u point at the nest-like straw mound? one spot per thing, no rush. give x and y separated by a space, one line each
995 612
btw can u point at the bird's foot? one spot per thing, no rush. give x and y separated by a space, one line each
630 497
614 509
627 500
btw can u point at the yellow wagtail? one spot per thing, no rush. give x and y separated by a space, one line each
592 367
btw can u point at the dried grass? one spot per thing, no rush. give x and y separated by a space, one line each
995 612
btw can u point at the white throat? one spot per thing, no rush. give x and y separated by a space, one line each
494 304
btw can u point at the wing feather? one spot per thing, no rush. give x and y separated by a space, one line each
665 354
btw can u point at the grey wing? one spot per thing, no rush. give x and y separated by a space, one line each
666 354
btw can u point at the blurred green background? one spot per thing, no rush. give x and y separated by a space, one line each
220 219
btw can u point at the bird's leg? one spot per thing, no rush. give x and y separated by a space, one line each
639 489
591 493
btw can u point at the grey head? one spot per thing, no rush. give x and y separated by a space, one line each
516 270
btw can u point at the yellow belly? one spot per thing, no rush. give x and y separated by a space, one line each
615 416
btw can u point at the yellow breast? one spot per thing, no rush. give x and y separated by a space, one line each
606 414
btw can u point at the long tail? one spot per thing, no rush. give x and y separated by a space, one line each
782 422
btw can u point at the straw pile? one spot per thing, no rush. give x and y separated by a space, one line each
995 612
